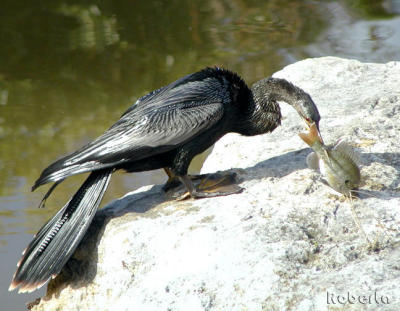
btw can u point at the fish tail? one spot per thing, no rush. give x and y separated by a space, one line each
57 240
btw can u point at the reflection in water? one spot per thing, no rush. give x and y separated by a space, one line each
94 31
68 71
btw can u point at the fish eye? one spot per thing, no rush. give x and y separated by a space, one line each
347 181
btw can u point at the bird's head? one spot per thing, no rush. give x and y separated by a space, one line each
307 110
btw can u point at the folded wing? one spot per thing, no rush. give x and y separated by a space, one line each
156 123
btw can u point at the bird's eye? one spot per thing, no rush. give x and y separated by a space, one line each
347 181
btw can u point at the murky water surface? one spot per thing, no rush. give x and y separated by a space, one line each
69 69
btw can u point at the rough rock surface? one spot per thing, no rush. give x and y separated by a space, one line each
288 242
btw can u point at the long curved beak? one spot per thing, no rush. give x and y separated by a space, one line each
311 123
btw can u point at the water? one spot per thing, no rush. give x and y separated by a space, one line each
68 70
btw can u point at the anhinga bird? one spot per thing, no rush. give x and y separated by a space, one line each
163 129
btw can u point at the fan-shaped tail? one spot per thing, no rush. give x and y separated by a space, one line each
57 240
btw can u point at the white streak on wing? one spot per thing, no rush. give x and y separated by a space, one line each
174 127
111 143
123 139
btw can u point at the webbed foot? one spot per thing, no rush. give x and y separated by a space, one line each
211 185
174 182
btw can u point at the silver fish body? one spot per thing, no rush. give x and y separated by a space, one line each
338 164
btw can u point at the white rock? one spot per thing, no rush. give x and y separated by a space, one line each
279 245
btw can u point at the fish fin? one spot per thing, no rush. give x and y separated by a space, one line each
348 151
312 136
313 161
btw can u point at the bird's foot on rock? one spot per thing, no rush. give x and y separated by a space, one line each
174 182
213 185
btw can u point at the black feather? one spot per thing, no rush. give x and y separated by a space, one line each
57 240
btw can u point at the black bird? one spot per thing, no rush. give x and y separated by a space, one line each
163 129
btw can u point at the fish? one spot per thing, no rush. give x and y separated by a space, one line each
338 163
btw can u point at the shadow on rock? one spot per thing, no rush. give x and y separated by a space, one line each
81 268
280 166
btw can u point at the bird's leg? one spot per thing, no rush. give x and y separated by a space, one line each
213 185
174 182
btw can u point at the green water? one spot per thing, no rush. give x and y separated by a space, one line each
69 69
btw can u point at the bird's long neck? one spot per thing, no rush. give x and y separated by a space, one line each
277 90
263 114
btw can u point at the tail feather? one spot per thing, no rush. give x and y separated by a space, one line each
54 244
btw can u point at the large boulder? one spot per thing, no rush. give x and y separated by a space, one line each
287 242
